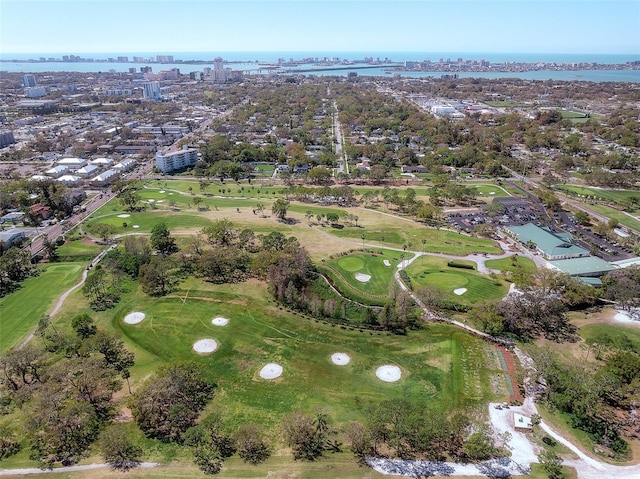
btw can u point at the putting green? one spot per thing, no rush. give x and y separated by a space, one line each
351 263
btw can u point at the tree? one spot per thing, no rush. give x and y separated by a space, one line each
168 404
221 232
479 446
279 208
251 445
155 277
302 435
118 450
211 446
83 325
115 354
552 464
582 218
162 241
103 230
129 199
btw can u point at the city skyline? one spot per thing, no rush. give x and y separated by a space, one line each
541 26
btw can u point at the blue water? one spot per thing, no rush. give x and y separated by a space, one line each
248 61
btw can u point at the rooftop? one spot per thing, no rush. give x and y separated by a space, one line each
550 244
582 266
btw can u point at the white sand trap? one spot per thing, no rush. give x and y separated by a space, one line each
389 373
460 291
271 371
161 191
628 316
134 318
170 194
123 215
205 346
152 201
363 278
386 262
219 321
160 201
136 226
492 193
341 359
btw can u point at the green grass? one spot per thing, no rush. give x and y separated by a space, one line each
595 329
442 241
433 271
259 333
20 311
490 190
146 220
343 271
78 251
502 103
611 195
506 264
622 218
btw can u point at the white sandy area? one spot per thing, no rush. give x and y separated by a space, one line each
632 316
160 201
124 215
363 278
134 318
386 262
341 359
460 291
219 321
492 192
136 226
389 373
204 346
161 191
170 194
152 201
271 371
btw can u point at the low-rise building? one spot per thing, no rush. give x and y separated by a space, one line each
553 246
72 163
125 165
11 237
104 178
69 180
57 171
88 171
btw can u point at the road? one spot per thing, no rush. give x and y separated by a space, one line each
343 164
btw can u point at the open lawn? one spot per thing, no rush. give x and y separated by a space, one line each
258 332
623 218
507 264
605 194
20 311
433 271
78 250
489 191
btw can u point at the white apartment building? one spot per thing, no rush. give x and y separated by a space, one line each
176 160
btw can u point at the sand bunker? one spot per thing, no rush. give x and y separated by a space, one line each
219 321
125 215
341 359
170 194
161 191
152 201
388 373
134 318
386 262
136 226
628 316
271 371
492 193
160 201
460 291
363 278
205 346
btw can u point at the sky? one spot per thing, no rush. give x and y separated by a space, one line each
510 26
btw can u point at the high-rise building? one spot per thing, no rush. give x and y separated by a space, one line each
151 90
28 80
177 160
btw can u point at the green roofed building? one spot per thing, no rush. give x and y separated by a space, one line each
590 266
552 246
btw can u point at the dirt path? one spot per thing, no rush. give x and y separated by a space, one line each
87 467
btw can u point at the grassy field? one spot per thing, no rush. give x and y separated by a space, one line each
21 310
488 191
343 271
434 271
611 195
506 264
622 218
78 250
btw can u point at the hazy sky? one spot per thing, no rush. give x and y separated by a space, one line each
542 26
